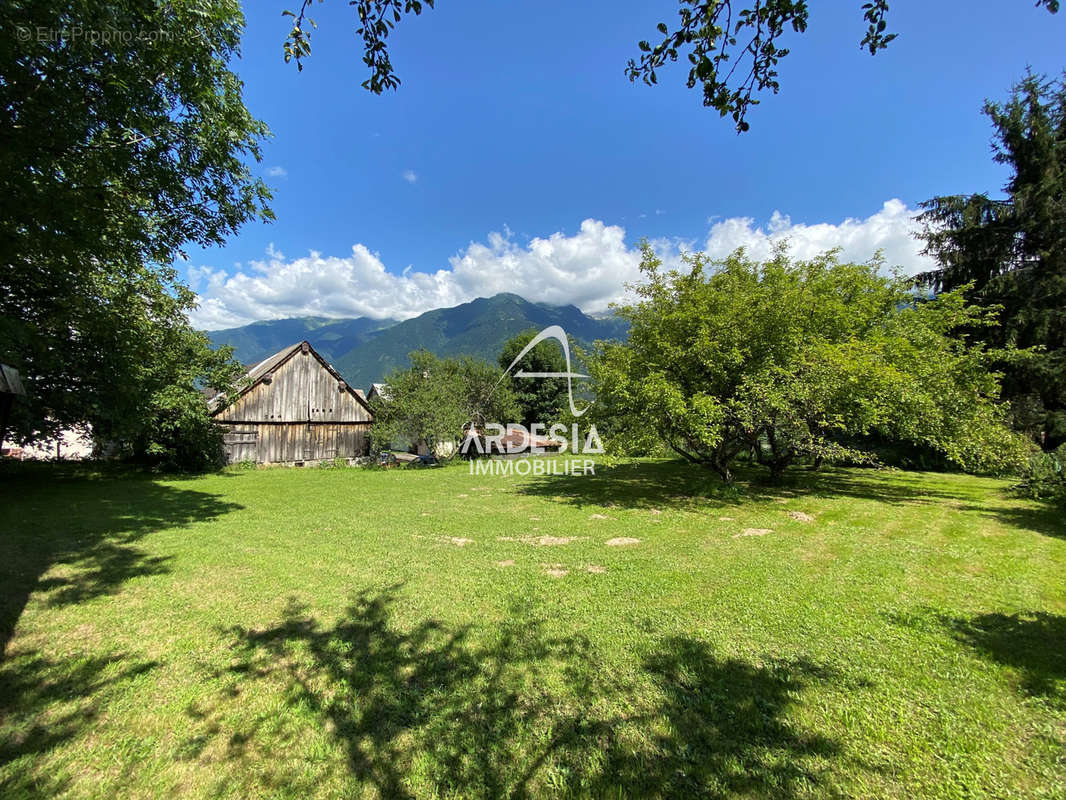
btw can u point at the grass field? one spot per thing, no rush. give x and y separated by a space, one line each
362 633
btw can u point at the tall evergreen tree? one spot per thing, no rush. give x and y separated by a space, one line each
1012 251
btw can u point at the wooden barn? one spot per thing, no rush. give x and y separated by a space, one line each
294 408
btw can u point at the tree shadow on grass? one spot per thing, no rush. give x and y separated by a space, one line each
511 712
1033 643
1034 515
46 702
679 485
87 523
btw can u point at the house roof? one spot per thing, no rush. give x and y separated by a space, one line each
269 365
10 383
519 439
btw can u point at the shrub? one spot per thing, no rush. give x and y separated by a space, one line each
1045 476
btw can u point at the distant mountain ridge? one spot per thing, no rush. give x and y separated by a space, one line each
332 338
364 350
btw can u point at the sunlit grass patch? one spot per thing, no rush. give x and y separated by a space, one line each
322 633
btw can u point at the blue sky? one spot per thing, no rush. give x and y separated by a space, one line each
516 154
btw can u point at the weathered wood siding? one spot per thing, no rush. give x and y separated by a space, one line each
242 444
277 443
304 413
301 390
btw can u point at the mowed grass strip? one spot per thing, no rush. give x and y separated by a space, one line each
646 632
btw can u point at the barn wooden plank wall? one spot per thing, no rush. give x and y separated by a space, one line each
301 411
282 443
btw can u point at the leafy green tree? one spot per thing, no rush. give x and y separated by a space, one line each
789 360
125 139
541 400
1011 252
732 50
435 399
174 432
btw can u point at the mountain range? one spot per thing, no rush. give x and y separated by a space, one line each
365 350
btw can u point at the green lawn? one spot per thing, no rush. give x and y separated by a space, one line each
332 633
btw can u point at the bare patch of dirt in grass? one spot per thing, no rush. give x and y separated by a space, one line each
552 541
599 516
458 541
80 637
595 569
621 541
816 551
753 532
817 558
507 562
556 570
725 519
541 541
801 516
85 631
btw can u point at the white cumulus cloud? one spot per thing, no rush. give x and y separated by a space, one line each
588 269
410 175
277 172
891 230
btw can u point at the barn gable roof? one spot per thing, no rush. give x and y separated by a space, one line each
268 366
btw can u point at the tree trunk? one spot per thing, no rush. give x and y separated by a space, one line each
724 471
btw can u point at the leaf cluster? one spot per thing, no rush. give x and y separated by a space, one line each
793 360
377 19
435 399
733 49
125 139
